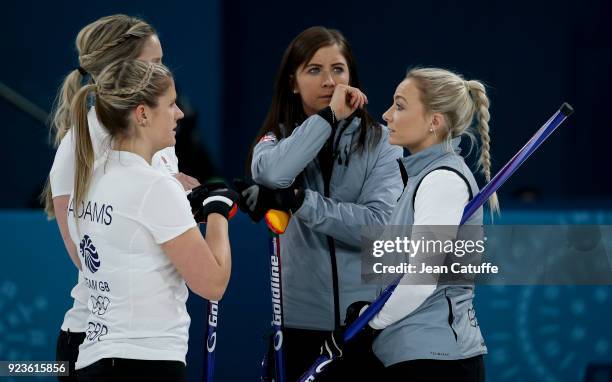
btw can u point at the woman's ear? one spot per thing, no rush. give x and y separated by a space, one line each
293 84
438 123
140 115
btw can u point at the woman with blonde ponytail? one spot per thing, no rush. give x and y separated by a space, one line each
139 243
98 44
428 330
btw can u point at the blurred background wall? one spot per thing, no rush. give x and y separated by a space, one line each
224 54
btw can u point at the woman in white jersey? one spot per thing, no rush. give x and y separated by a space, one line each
98 44
138 242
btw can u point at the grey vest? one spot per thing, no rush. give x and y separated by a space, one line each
444 326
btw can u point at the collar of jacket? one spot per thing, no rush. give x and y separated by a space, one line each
353 125
415 163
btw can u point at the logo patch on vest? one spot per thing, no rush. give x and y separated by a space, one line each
270 137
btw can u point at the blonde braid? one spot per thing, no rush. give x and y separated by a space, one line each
93 54
137 30
481 106
144 82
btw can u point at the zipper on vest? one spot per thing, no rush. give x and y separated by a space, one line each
327 174
334 267
451 317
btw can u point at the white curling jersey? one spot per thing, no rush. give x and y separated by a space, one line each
61 178
136 296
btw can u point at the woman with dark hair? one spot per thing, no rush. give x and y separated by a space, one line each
336 170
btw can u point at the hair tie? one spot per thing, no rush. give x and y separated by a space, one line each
468 88
82 71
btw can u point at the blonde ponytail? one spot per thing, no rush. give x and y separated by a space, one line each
60 124
46 198
481 106
83 148
61 116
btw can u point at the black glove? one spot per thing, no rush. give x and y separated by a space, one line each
334 344
335 347
256 199
364 338
353 312
213 197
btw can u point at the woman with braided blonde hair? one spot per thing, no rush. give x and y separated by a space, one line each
98 44
139 244
428 330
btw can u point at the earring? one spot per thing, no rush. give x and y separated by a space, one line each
431 130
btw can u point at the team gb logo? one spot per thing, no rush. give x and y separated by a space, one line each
89 254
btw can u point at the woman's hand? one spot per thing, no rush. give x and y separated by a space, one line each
188 182
346 100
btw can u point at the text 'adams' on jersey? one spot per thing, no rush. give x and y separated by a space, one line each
93 211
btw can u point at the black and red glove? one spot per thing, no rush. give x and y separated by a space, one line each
212 197
256 200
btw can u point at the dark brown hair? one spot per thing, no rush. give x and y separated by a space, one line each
286 108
